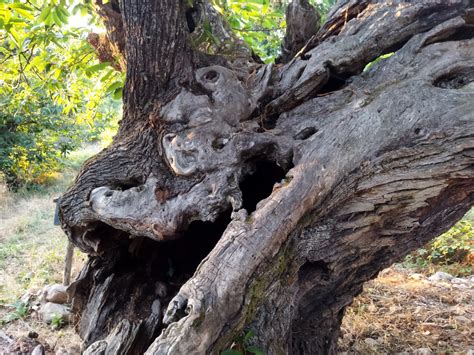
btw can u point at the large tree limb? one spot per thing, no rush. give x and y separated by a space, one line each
352 145
380 27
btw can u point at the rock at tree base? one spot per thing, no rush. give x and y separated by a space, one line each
56 293
38 350
440 276
50 311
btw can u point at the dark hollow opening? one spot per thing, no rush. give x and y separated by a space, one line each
259 183
305 133
193 246
336 81
456 79
144 276
126 184
269 122
190 19
174 261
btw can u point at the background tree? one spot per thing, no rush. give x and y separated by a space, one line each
54 94
245 197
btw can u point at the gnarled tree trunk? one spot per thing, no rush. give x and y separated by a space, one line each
240 196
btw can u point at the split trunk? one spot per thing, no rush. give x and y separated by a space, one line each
239 196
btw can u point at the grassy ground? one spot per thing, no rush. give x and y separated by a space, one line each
32 249
397 312
32 254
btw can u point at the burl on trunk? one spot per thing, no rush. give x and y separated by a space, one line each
243 196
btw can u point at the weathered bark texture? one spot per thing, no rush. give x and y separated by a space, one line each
302 23
239 196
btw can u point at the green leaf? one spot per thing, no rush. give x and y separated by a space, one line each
25 13
114 86
249 335
117 95
56 18
12 31
44 13
56 41
255 350
63 11
97 67
62 17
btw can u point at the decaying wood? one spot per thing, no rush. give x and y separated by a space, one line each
68 264
302 23
263 197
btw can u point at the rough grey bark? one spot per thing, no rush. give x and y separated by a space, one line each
302 23
262 197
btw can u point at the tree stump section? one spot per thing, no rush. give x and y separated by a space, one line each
243 196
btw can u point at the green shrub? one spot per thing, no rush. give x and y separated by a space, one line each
453 246
20 311
452 251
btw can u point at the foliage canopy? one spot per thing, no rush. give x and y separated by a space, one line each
55 94
53 91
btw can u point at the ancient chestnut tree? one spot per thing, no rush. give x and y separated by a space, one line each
241 196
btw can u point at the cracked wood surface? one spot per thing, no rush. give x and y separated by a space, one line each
382 121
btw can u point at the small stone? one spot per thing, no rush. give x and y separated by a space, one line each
25 299
417 277
459 280
422 351
5 338
371 342
460 285
440 276
50 311
56 293
38 350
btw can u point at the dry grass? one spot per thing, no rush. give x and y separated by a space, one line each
32 249
32 254
402 312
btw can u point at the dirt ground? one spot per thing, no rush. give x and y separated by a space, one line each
402 312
